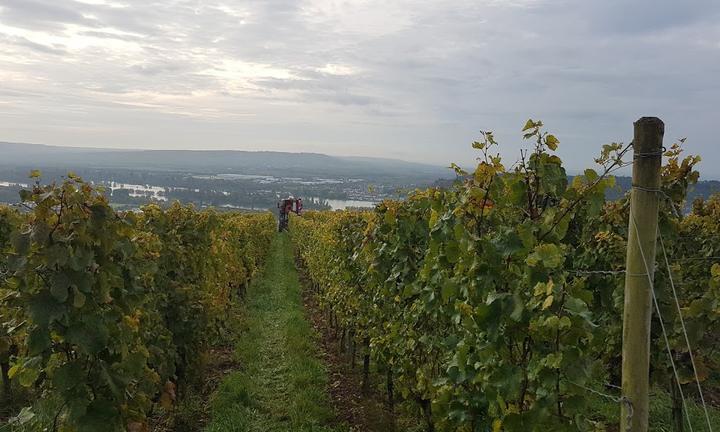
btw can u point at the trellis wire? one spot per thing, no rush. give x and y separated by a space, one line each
617 399
662 323
684 329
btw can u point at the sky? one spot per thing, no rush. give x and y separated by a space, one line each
408 79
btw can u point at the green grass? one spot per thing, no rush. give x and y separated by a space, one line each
281 384
660 413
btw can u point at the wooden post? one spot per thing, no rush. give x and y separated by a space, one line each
366 366
642 235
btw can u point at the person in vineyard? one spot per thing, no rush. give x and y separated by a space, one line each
289 205
286 206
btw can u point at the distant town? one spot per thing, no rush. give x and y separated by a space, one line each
236 180
232 180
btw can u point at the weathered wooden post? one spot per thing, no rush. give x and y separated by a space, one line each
642 235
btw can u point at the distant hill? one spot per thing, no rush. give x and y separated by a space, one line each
703 188
217 161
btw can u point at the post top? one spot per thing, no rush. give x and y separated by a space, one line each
650 121
648 136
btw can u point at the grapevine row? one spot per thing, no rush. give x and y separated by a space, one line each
104 313
497 303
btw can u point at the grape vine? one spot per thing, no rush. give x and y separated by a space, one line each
104 313
480 300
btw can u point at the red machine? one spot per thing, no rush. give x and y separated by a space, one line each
285 207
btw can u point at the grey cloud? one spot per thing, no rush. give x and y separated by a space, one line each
40 14
334 90
19 94
639 16
26 43
128 37
426 75
153 69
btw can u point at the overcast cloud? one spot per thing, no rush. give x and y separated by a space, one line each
409 79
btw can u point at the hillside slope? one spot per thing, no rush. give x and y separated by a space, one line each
216 161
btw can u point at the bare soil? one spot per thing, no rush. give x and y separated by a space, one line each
360 412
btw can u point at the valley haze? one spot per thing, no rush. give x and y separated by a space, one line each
218 178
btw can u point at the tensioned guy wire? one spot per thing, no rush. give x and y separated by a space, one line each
662 324
684 329
677 305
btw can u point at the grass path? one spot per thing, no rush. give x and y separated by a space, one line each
281 385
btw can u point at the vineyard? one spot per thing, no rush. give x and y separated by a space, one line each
498 304
104 314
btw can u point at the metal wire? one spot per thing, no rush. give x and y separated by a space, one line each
657 191
662 194
606 272
642 188
598 272
617 399
662 324
648 155
698 258
684 329
654 154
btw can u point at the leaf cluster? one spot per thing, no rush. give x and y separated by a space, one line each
108 310
478 299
